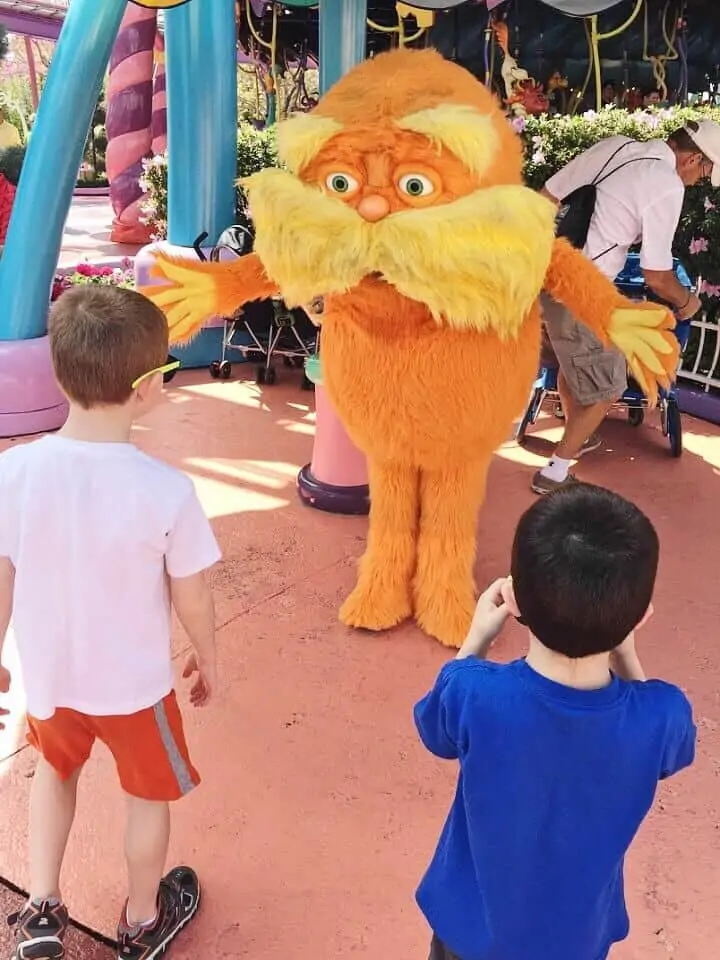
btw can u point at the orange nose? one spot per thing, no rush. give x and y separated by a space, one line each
373 208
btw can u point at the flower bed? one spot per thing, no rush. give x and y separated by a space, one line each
7 198
255 150
89 273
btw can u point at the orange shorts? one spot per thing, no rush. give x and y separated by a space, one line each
148 747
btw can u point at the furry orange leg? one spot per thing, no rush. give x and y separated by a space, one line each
383 595
444 584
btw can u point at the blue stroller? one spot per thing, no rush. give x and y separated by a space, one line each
630 283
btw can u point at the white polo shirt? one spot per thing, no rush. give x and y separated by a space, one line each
640 203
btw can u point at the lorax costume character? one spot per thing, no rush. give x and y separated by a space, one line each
402 205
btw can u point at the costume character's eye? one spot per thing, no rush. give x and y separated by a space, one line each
416 185
341 183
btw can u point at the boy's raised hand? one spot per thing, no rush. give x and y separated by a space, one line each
4 688
205 682
488 620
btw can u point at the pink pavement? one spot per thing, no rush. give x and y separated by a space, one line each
319 809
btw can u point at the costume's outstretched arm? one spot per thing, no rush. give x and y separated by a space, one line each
642 331
198 291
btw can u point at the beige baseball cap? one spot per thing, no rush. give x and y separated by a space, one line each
707 139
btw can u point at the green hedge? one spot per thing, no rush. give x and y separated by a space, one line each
11 161
550 143
255 151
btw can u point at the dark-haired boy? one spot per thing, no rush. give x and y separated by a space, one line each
560 753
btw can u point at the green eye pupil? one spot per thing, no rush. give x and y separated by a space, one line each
340 184
415 187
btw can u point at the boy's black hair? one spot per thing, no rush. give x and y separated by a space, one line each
584 562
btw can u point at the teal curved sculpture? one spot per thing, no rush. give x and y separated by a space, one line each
202 131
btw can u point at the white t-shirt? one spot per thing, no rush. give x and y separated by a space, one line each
94 530
640 203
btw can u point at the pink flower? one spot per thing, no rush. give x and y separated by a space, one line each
698 245
710 289
709 205
518 124
85 269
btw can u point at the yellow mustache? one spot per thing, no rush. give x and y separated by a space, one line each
477 262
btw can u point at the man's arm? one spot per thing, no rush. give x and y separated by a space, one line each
659 224
665 285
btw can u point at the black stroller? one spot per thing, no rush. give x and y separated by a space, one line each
264 330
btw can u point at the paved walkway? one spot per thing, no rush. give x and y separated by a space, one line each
87 233
319 809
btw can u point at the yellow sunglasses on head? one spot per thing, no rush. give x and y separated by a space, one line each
165 369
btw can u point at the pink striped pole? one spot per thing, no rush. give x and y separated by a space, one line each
159 101
129 119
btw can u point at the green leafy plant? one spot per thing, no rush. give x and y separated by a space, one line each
11 161
256 150
92 171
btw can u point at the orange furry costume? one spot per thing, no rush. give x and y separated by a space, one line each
402 205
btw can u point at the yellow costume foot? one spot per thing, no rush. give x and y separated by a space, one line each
376 605
446 613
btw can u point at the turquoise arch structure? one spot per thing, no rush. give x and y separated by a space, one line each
202 124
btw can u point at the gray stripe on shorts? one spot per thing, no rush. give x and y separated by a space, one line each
179 767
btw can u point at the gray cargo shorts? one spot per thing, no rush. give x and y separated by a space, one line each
593 372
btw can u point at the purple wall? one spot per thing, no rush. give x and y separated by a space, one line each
32 25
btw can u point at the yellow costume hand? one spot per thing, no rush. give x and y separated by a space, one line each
199 290
188 300
644 335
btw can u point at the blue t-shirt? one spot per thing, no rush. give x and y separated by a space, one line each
554 783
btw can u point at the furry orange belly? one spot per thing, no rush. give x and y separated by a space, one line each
427 396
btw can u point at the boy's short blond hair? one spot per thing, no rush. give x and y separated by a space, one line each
102 339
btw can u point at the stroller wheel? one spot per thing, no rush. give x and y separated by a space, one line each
225 371
558 411
215 369
260 375
674 428
636 416
307 383
270 376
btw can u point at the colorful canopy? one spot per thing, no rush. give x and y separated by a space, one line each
575 8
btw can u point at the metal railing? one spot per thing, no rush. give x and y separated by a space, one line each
701 362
